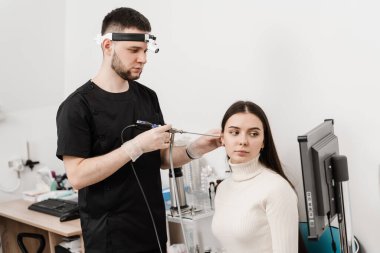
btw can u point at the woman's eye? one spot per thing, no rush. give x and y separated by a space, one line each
254 134
234 133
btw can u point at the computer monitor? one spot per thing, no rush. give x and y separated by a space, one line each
317 147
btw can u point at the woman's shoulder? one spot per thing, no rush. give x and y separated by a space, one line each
275 182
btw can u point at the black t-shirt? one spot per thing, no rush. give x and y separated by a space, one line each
114 216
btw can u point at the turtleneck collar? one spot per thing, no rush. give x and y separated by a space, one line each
245 171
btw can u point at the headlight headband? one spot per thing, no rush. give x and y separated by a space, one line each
143 37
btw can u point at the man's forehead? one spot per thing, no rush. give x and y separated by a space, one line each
133 44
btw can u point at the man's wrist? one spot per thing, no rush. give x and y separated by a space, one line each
190 152
133 149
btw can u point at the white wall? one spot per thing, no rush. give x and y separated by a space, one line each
31 53
302 61
31 87
37 126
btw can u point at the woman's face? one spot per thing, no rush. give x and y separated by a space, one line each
243 137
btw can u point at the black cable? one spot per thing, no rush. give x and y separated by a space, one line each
329 194
333 245
122 132
142 190
147 204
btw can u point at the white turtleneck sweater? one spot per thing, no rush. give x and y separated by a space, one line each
256 211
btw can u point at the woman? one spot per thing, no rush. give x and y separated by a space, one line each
256 207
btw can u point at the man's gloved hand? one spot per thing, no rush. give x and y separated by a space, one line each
153 139
204 144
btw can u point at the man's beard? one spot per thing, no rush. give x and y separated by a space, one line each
119 68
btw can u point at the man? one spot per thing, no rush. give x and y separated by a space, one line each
114 164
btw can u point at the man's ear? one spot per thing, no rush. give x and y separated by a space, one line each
107 47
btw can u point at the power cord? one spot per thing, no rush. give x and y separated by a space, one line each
333 245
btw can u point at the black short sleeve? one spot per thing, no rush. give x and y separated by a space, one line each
73 128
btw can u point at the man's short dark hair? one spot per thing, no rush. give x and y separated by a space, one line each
123 17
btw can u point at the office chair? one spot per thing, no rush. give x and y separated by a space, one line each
39 237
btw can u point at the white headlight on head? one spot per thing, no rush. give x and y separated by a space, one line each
143 37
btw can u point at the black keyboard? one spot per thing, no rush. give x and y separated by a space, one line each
56 207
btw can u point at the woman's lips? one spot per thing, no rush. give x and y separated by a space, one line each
241 152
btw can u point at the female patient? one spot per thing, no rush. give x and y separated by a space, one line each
255 208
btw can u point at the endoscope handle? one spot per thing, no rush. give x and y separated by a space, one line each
149 125
146 124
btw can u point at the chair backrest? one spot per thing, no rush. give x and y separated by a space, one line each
39 237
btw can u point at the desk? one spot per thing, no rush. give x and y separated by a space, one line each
15 217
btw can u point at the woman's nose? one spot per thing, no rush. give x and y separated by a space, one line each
243 140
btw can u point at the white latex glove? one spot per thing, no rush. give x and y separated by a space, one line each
153 139
204 144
